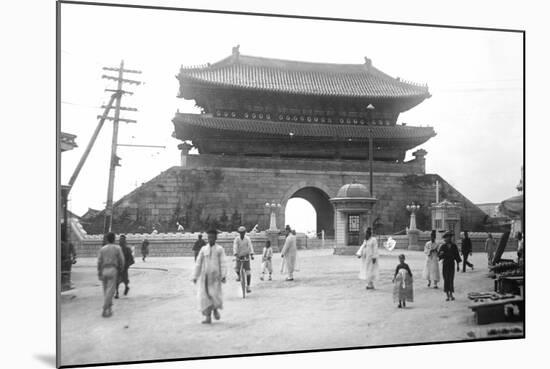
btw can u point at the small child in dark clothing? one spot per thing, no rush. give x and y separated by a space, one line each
403 283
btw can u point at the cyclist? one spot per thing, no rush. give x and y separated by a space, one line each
243 252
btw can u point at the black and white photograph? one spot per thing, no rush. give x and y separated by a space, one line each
235 184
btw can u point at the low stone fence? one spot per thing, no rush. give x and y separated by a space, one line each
478 241
402 242
181 244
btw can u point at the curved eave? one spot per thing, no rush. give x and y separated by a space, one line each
189 126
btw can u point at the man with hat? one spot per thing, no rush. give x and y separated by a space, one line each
243 252
289 254
448 252
210 271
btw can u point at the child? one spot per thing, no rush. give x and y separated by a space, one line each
403 283
267 254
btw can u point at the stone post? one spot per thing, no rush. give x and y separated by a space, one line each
184 147
413 232
273 237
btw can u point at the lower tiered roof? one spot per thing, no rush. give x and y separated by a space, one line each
189 126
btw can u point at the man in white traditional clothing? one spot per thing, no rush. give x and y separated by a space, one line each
431 268
243 252
368 253
210 272
289 254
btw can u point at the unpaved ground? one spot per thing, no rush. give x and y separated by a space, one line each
326 306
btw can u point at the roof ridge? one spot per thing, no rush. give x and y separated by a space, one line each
248 71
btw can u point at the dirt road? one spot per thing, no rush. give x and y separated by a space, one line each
327 306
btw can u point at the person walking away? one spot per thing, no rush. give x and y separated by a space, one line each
242 249
267 255
128 261
448 252
110 263
68 258
199 243
210 272
289 254
144 249
466 249
368 253
490 248
402 283
431 268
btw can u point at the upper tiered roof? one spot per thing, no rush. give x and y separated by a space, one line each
297 77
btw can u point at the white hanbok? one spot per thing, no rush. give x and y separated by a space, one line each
431 268
369 260
289 253
210 269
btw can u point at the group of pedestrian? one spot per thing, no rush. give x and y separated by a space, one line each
370 267
210 266
447 253
210 270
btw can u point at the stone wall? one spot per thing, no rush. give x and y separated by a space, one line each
225 192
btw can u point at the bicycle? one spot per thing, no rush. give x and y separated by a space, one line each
242 273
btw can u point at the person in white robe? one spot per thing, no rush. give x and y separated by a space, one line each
210 272
368 253
289 254
431 268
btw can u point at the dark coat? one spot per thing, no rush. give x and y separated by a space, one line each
466 247
449 254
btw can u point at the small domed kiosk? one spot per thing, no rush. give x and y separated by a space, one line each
353 206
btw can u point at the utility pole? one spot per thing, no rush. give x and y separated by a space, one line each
114 158
370 109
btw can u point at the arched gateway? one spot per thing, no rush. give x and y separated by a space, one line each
271 130
319 199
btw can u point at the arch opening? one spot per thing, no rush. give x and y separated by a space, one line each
314 204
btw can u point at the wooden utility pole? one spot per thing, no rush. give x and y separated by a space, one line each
114 158
102 119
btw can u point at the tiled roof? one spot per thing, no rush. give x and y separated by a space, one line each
264 74
183 122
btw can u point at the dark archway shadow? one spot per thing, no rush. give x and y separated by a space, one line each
324 209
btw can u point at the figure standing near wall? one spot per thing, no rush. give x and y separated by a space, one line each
466 249
199 243
490 247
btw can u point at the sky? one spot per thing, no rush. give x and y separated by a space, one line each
475 78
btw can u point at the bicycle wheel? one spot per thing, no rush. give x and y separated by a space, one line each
243 281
